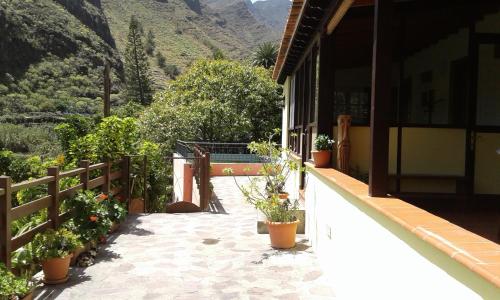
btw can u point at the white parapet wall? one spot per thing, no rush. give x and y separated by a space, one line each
369 256
178 177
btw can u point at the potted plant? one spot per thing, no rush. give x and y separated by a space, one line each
90 217
53 249
323 153
266 192
117 211
13 287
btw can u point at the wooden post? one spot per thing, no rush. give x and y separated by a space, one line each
5 229
106 187
383 40
53 190
206 180
84 177
107 90
126 179
145 183
326 79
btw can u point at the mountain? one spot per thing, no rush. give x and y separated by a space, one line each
273 13
52 52
186 30
51 56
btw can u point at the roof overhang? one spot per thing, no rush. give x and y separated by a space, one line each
308 17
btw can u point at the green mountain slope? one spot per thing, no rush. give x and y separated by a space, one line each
51 56
186 30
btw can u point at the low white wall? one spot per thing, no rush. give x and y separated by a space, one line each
368 256
178 178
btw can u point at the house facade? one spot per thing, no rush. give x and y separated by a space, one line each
419 85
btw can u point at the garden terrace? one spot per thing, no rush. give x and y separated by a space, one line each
203 255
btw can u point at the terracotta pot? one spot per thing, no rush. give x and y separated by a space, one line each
29 296
321 158
282 234
56 269
283 196
136 206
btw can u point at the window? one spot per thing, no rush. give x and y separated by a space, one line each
355 103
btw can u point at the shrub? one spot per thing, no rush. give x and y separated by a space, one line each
90 218
117 211
215 100
55 244
12 287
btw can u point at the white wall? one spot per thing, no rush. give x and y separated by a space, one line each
368 256
178 178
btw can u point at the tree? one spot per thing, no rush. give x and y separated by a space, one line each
136 66
161 60
214 100
150 43
266 55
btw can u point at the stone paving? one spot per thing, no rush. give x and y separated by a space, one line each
212 255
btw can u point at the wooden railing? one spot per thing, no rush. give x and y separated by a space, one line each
201 166
52 201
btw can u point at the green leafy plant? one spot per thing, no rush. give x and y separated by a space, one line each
263 192
55 244
12 287
214 100
90 217
117 211
323 143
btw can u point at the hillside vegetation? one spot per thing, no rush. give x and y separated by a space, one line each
51 57
187 30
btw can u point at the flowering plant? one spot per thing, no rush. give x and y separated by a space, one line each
263 192
323 143
117 211
91 218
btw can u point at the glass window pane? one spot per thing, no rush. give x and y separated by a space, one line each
488 86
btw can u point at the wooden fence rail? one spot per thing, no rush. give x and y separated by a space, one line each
52 201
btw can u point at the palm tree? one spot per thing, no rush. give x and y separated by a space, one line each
265 55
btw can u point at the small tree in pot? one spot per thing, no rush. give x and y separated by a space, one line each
323 153
53 249
266 192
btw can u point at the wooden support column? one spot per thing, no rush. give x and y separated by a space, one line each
126 179
84 177
53 190
326 87
106 187
383 41
145 183
5 220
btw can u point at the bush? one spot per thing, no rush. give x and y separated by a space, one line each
55 244
215 100
12 287
113 138
40 139
90 220
117 211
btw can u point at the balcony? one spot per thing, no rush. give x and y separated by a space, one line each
197 256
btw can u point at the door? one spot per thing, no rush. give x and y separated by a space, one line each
485 132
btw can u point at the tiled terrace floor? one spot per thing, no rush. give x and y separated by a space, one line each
197 256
